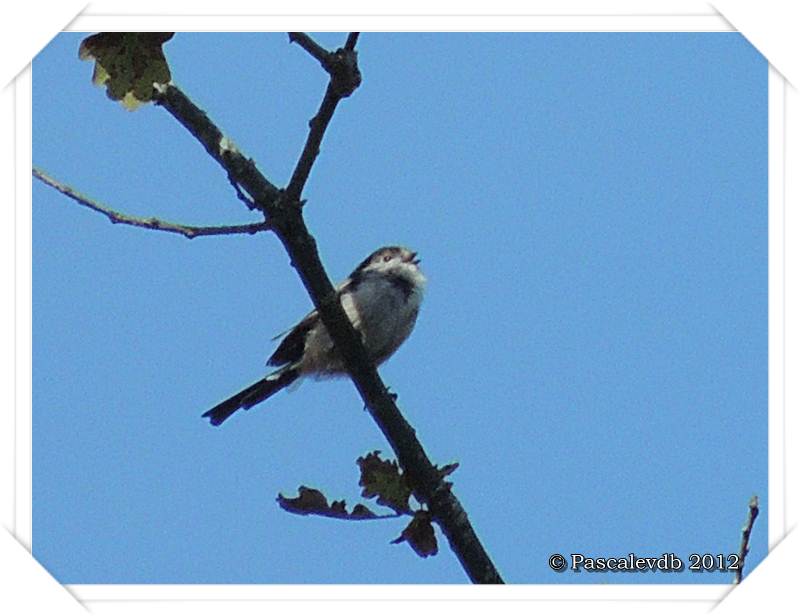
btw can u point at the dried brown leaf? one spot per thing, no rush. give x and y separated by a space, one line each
420 535
311 501
308 501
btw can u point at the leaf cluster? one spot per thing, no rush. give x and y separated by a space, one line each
384 481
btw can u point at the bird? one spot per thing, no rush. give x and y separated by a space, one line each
381 297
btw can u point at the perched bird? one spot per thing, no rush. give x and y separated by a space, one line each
381 298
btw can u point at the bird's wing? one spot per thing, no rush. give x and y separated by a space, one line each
293 344
291 348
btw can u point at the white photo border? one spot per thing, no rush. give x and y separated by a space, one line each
97 595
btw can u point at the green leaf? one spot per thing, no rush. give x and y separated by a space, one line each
384 480
127 64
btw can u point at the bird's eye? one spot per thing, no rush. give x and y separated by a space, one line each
387 258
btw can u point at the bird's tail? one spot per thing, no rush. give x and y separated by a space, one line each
250 396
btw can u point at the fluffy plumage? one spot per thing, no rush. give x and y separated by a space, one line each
381 297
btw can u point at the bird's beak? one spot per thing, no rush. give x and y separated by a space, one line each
412 258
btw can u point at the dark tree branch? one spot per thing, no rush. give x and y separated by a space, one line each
240 169
341 64
154 224
752 514
345 78
352 39
318 124
318 52
284 212
326 58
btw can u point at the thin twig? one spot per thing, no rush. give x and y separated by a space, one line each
316 50
239 168
352 39
345 78
748 528
319 124
241 195
154 224
351 518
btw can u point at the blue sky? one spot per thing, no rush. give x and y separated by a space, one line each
591 213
